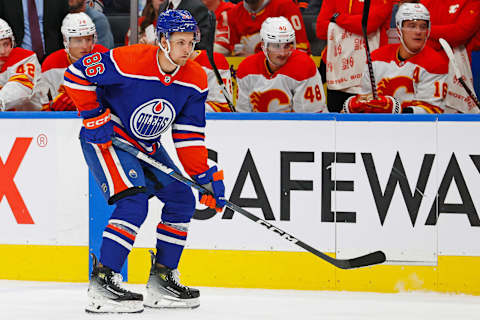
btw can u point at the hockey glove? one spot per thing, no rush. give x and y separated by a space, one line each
98 129
334 17
212 180
363 104
62 102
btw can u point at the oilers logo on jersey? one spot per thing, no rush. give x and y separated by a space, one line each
152 118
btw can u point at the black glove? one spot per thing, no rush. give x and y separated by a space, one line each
334 17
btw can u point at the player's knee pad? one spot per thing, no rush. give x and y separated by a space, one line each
132 209
179 203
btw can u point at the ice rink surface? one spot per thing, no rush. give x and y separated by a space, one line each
66 301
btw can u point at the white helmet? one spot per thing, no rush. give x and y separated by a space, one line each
411 11
277 30
77 25
6 31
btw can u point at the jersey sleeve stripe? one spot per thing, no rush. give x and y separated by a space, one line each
191 85
192 143
75 71
429 108
22 79
184 136
76 79
79 87
187 127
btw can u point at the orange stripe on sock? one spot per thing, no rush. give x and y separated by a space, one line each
172 230
125 233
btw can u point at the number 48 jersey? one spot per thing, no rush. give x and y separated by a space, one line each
295 87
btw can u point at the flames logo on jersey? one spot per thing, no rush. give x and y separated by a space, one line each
152 118
388 87
261 100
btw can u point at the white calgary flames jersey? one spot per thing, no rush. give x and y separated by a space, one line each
418 82
53 69
18 79
295 87
216 101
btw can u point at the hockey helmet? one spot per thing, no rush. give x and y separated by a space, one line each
77 25
411 11
277 30
408 12
171 21
6 31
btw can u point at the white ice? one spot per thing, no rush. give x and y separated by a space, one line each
66 301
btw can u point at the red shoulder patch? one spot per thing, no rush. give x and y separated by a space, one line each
299 66
431 60
251 64
17 54
385 53
57 59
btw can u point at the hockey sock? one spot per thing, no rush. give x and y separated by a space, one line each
122 229
171 238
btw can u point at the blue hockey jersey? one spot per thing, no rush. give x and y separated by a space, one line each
143 100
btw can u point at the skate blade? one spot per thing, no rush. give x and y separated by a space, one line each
161 302
111 306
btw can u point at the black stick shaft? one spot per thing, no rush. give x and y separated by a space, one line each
362 261
366 11
211 41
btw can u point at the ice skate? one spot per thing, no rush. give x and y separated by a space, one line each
164 289
106 295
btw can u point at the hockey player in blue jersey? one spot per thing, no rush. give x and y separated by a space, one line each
136 93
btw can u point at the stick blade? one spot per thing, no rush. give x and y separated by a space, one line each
363 261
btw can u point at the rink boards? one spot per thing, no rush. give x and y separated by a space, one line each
345 184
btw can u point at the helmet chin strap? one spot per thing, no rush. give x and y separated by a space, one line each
167 52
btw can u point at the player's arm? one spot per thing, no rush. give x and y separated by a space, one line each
188 135
19 87
81 80
379 12
326 12
234 31
222 34
244 90
309 95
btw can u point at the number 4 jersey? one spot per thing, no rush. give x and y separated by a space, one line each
295 87
418 82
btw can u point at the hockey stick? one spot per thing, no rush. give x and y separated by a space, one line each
451 57
366 11
362 261
210 42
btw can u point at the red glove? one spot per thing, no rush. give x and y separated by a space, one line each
62 102
362 104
